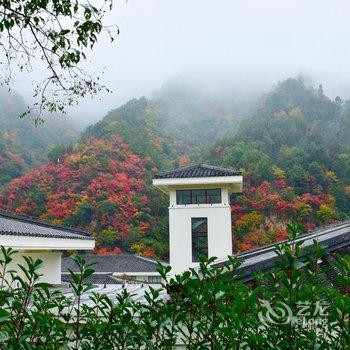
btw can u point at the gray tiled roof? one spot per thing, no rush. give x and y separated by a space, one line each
15 225
198 170
113 263
137 292
95 279
332 238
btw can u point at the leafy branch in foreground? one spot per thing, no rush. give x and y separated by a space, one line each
60 33
288 308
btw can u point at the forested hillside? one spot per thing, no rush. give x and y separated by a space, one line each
175 125
99 185
294 150
295 154
198 118
22 144
142 127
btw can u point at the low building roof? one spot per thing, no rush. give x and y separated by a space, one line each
136 291
15 225
198 170
23 232
116 263
95 278
333 238
197 176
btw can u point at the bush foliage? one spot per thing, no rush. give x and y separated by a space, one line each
207 308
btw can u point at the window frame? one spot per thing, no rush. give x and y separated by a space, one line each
194 240
191 196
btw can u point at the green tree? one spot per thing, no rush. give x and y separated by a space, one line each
60 33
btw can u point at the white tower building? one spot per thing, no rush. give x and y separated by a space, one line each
199 212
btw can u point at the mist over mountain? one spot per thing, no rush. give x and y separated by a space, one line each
291 143
23 145
177 120
215 45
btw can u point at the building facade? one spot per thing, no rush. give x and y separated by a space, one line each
115 268
40 240
199 212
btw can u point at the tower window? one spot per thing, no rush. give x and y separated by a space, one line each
199 238
200 196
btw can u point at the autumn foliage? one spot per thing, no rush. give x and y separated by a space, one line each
99 186
260 214
23 145
293 151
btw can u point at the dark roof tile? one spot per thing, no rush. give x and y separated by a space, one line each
95 279
334 238
113 263
15 225
199 170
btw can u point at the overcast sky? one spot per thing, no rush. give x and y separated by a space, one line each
256 41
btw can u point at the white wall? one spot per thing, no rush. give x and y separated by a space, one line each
45 243
180 232
51 267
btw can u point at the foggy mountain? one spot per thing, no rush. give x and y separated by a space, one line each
23 145
216 45
291 144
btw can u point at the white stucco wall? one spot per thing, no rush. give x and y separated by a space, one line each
34 243
180 231
47 249
51 267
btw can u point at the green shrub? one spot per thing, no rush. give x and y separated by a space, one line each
288 308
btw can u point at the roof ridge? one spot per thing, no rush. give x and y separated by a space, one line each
151 260
32 220
216 167
180 168
90 254
198 170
